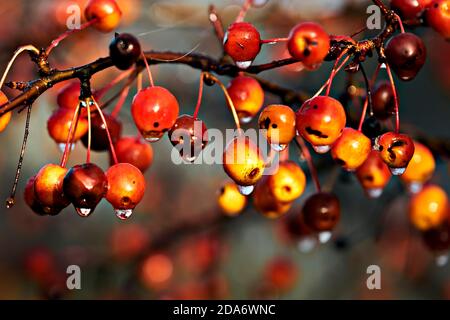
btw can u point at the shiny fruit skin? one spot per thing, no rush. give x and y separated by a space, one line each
320 120
409 9
428 208
438 17
279 121
69 96
383 102
193 130
406 54
107 13
230 200
30 199
124 50
242 161
99 137
85 185
135 151
126 186
421 167
242 42
351 149
6 118
265 203
396 149
373 174
58 125
321 211
309 43
247 96
48 188
287 183
154 110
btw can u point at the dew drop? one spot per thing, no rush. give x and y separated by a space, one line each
374 192
151 138
415 187
397 171
123 214
441 260
10 203
383 66
245 120
84 212
321 149
259 3
278 147
243 64
307 244
324 236
246 190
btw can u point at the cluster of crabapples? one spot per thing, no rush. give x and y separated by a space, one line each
373 155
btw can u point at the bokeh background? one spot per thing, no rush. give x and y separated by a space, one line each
194 251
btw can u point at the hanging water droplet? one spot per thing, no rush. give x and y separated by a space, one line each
151 138
383 66
397 171
123 214
10 202
441 260
415 187
374 192
246 190
62 147
321 149
83 212
245 120
307 244
278 147
324 236
244 64
259 3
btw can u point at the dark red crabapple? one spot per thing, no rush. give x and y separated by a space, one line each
99 137
135 151
124 50
242 43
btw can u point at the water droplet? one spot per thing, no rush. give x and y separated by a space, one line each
415 187
383 66
246 190
151 138
10 203
307 244
324 236
259 3
245 120
397 171
123 214
243 64
321 149
441 260
278 147
374 192
62 147
84 212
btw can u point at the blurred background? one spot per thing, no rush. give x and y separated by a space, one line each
177 243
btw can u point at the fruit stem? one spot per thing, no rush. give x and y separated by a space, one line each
243 11
394 91
228 99
363 114
12 195
70 135
334 71
274 40
14 57
312 169
66 34
121 101
101 92
328 81
139 82
150 77
284 154
88 152
368 100
111 145
200 95
400 23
